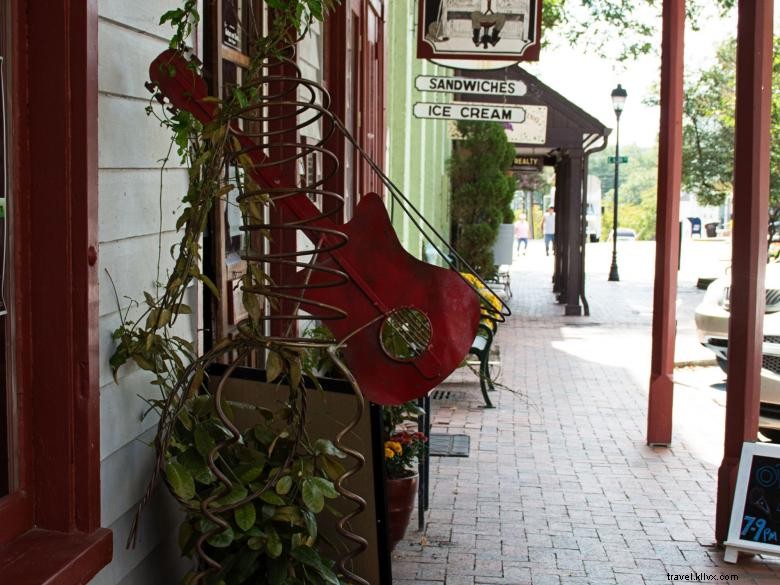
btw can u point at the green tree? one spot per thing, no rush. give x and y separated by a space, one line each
708 132
637 190
601 25
482 191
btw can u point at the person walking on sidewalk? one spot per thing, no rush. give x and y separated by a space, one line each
548 229
521 233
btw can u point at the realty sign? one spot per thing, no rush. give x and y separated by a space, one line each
469 111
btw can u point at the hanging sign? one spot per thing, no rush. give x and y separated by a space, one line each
755 513
508 87
467 111
532 130
505 30
528 164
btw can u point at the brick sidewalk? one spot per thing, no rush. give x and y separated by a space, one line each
559 487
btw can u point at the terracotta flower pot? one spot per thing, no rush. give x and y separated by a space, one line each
400 503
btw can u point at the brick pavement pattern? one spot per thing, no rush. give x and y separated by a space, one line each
559 487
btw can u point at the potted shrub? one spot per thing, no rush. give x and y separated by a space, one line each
403 448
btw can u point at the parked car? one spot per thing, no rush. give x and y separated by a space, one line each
623 234
712 325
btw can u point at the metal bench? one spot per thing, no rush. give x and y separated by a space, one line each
481 349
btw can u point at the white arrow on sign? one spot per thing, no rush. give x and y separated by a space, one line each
468 111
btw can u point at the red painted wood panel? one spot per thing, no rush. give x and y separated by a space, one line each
661 393
55 355
748 256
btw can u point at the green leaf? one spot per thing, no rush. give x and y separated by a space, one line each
274 544
180 480
204 442
248 472
311 523
289 514
273 366
185 534
284 485
256 542
222 539
325 486
194 463
332 467
313 496
270 497
236 494
245 516
326 447
309 557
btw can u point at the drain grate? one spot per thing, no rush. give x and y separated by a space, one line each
449 445
447 395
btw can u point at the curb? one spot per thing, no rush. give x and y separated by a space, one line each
695 363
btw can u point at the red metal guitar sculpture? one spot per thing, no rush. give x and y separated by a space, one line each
409 324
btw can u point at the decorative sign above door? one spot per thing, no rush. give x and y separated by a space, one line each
508 30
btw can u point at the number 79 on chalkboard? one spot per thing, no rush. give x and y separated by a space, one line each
755 513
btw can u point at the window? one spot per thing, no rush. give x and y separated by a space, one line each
50 513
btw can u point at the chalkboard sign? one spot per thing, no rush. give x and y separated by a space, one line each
755 514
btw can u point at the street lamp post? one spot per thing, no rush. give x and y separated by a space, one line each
618 101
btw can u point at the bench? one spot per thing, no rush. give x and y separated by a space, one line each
480 348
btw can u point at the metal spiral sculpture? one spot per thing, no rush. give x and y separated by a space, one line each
262 140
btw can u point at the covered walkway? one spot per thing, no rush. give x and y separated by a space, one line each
560 486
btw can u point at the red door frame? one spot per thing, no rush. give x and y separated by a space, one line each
50 525
368 100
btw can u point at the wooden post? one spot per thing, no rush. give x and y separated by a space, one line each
661 394
573 231
748 256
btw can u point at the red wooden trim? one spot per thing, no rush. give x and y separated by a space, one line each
748 258
17 515
661 393
51 558
63 203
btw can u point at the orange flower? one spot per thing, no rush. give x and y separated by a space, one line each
389 453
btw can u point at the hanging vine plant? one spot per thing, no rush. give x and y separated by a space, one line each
250 496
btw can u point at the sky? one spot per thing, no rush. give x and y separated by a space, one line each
587 80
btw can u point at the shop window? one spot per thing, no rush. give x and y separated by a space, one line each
230 27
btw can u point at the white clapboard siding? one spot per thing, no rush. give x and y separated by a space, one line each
131 192
130 202
143 17
158 516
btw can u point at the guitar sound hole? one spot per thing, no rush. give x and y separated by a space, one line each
405 334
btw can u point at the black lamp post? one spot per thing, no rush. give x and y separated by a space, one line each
618 101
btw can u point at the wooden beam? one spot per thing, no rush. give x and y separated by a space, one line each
661 393
748 256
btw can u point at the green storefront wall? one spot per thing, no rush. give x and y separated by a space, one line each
417 150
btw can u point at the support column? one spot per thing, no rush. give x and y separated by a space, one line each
561 176
661 394
748 257
573 233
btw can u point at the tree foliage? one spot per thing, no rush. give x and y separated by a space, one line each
708 131
637 189
601 25
482 191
